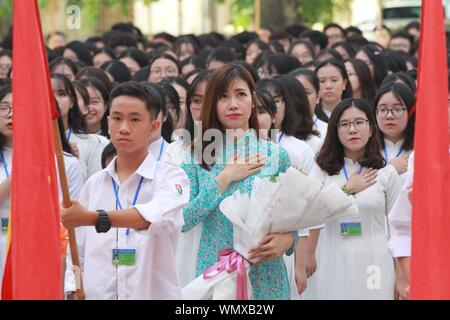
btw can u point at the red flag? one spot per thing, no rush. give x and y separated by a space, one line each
430 256
34 259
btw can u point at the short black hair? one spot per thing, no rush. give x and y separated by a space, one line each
144 92
335 25
118 70
109 152
316 37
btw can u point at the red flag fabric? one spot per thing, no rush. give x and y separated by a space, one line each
430 256
34 259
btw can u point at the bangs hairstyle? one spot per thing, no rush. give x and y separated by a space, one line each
144 92
297 121
76 119
331 156
218 83
405 95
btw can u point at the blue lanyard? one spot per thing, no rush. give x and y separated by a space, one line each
5 167
116 194
161 148
69 134
281 137
386 157
345 171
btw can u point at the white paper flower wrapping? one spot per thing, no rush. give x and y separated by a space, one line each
295 201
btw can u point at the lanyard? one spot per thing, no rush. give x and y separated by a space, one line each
386 156
136 195
69 134
345 171
281 137
5 167
161 148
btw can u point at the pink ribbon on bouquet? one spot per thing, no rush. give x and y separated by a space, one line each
230 261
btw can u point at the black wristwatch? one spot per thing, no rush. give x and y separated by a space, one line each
103 223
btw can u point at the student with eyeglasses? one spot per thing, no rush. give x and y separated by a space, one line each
393 104
162 66
353 260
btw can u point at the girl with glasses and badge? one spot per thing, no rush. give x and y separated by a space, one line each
393 104
353 260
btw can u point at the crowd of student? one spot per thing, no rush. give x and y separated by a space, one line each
148 221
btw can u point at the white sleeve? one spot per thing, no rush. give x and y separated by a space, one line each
94 160
75 176
80 234
306 158
165 211
392 187
400 225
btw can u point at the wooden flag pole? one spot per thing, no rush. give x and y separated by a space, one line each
67 204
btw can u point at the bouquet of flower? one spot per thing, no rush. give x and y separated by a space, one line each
287 203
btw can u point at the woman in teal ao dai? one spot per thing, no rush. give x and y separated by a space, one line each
230 90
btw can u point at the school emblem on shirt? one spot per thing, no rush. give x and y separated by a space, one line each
179 188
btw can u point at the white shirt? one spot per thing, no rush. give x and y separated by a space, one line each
299 152
90 147
175 152
392 151
158 148
315 143
75 182
320 126
400 217
75 176
164 192
4 209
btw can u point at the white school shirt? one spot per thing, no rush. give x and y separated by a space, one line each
315 143
164 192
90 147
4 209
400 217
392 150
75 182
320 126
158 148
344 265
299 152
188 243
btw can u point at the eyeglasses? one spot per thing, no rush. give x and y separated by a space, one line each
168 71
397 112
5 110
345 126
263 73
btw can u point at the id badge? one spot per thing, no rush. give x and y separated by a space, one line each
5 222
123 257
351 229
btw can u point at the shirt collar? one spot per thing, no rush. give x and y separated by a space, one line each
390 144
146 169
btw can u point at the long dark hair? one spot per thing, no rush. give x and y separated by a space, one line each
297 121
362 71
100 87
200 78
348 88
331 156
375 55
76 120
218 83
403 93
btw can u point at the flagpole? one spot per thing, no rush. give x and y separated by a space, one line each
67 204
257 15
